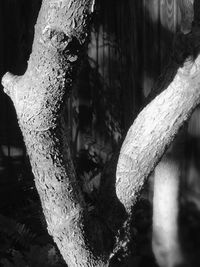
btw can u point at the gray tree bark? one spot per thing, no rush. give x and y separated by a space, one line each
159 122
39 96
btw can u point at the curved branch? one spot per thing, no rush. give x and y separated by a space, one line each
154 130
158 123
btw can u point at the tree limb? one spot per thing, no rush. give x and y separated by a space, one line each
158 123
39 96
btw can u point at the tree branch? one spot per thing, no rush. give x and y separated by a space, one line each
39 96
9 82
158 123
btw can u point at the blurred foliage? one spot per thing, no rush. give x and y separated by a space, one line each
21 247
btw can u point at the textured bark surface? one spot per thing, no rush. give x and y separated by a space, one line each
158 123
154 130
38 96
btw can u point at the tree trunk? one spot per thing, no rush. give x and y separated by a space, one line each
39 96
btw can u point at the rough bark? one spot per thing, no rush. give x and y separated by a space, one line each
38 96
158 123
154 130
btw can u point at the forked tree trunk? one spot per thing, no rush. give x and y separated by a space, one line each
39 96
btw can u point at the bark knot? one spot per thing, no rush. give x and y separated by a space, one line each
55 37
59 40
